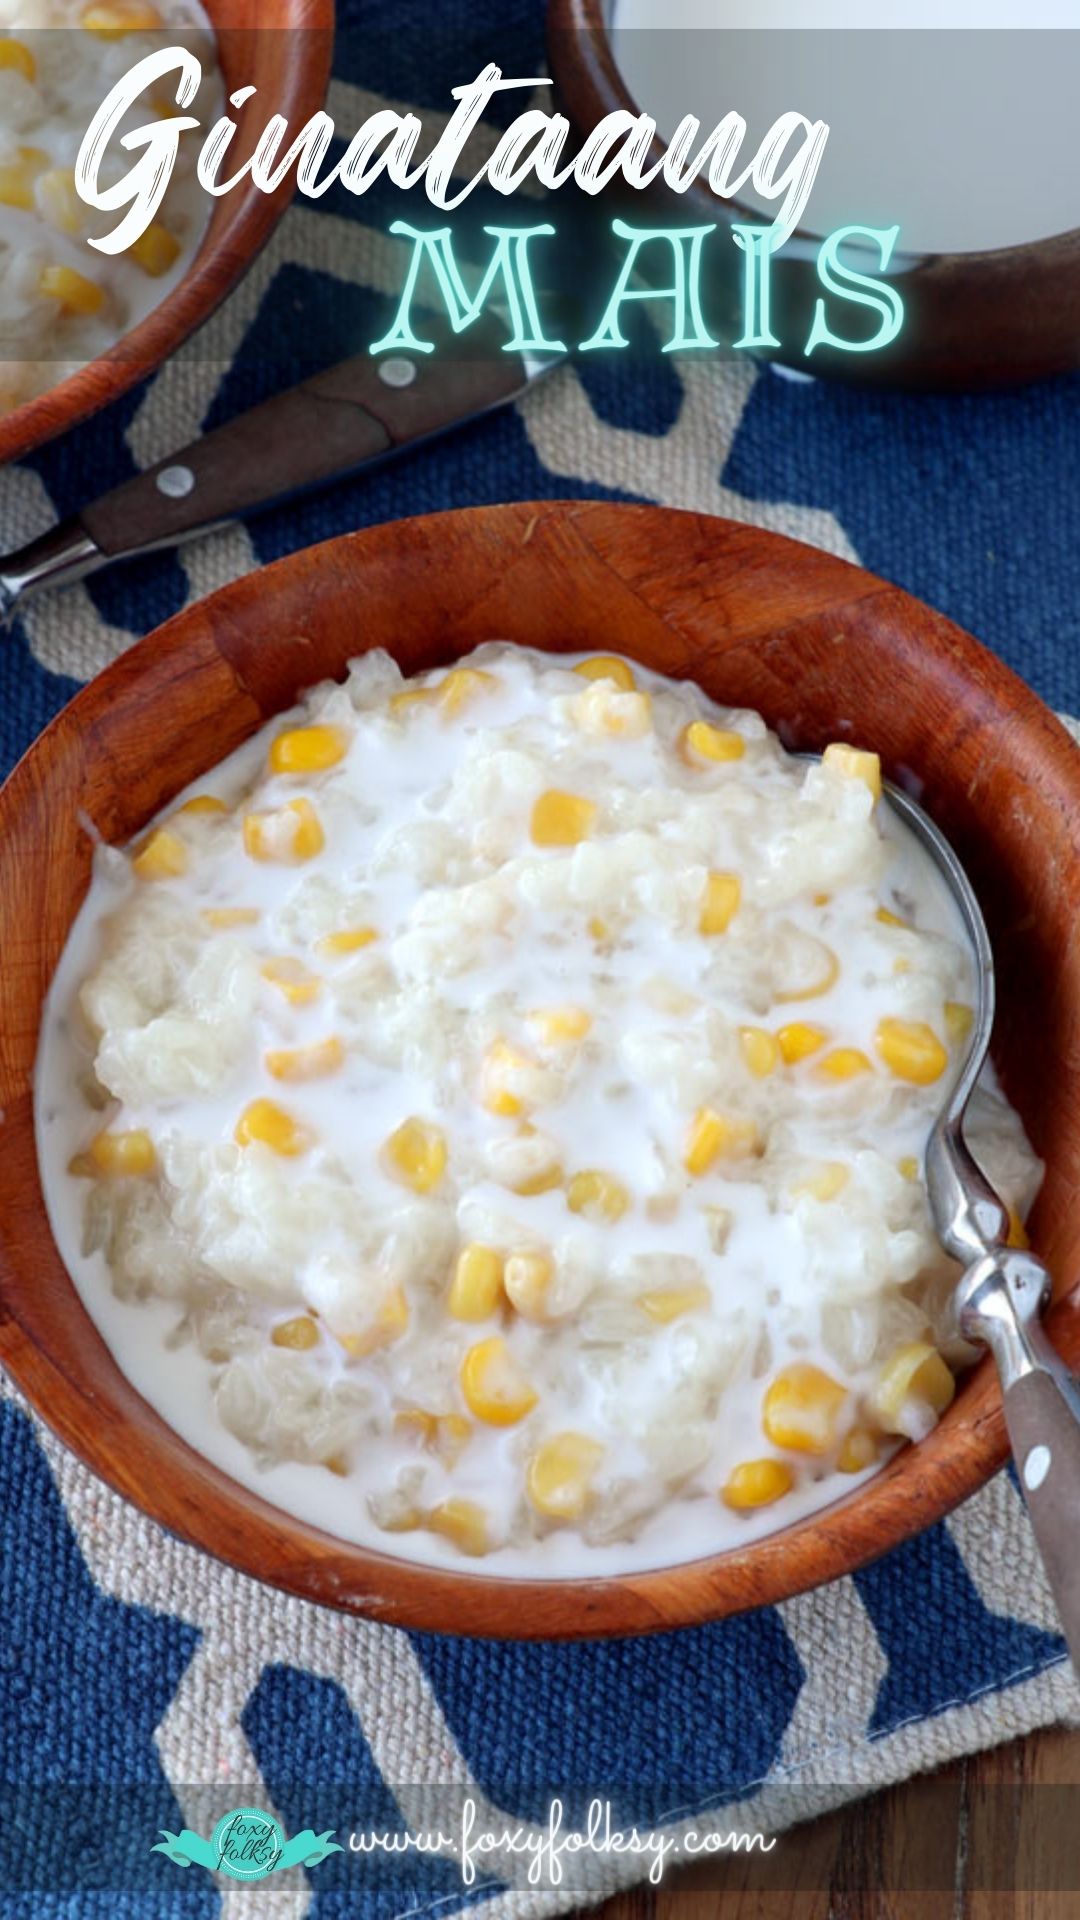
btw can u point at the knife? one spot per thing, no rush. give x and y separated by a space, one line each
338 422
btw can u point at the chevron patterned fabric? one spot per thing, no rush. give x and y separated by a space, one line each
133 1664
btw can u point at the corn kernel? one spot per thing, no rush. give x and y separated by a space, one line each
463 1523
561 819
408 698
844 1063
560 1026
224 917
393 1514
599 1196
911 1050
527 1279
823 968
308 750
607 666
56 195
914 1373
603 710
890 919
17 186
500 1078
700 741
908 1166
306 1063
558 1480
300 1334
290 833
528 1163
715 1136
798 1040
959 1020
760 1050
349 940
416 1154
827 1183
855 764
16 57
756 1483
111 19
203 803
544 1180
858 1450
723 893
495 1389
130 1155
1017 1235
598 929
163 856
156 251
461 687
801 1409
271 1126
390 1322
446 1434
664 1304
75 293
292 979
477 1286
417 1423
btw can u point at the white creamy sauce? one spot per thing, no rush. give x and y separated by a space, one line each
48 96
429 842
967 142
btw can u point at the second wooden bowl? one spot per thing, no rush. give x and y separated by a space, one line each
985 318
283 48
824 651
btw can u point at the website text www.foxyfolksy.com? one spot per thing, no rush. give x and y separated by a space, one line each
549 1847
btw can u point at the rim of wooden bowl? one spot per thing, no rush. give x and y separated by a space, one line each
812 637
240 226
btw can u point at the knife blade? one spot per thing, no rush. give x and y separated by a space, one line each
336 423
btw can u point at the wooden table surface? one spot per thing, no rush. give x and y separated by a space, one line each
848 1865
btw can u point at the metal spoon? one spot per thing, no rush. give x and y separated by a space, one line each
1003 1291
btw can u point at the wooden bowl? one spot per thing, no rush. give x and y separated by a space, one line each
284 48
823 650
971 320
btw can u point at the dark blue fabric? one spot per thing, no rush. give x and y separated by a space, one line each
972 502
949 1648
319 1768
681 1720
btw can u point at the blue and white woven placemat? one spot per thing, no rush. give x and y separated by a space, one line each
129 1659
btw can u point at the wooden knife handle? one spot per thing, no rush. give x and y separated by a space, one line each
1045 1438
1001 1299
328 426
